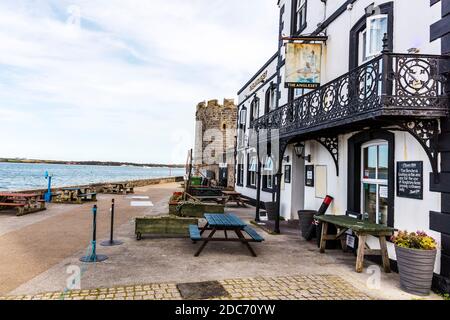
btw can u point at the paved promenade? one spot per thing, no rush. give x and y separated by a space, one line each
39 252
317 287
31 244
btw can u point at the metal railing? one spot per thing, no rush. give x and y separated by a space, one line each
408 85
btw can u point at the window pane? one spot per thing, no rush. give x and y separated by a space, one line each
370 202
377 27
370 162
382 205
383 159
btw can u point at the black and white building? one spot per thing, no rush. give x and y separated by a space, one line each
375 135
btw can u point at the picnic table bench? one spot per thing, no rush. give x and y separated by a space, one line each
24 202
362 229
75 195
226 223
118 188
234 196
218 199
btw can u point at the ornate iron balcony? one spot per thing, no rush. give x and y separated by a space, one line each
387 87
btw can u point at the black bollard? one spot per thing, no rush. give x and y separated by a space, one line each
93 257
111 242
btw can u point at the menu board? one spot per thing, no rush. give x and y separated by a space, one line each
309 176
410 179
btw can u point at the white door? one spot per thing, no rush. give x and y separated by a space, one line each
374 181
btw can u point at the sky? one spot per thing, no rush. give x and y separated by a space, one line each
115 80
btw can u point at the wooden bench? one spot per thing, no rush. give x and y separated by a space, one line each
253 234
194 233
362 229
219 199
19 206
85 195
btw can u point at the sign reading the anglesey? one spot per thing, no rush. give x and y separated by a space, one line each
303 65
258 80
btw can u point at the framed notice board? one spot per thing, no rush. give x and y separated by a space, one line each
410 179
309 176
287 173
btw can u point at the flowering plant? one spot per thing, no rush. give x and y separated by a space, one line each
414 240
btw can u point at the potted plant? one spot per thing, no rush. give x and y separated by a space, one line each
416 256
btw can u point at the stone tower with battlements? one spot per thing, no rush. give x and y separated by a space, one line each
215 139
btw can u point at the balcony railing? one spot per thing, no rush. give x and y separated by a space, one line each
391 85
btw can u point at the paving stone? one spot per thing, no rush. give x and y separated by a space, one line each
306 287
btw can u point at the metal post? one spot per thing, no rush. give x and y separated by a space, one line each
258 185
48 195
112 222
277 220
93 257
111 242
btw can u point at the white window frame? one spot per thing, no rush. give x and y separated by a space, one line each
299 10
252 169
377 182
370 21
268 172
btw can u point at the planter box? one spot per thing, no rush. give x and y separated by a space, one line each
173 207
196 210
416 269
166 226
205 191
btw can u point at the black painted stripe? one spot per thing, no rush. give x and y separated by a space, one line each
258 73
445 161
445 243
440 222
445 265
444 142
333 17
445 44
445 202
440 28
445 7
433 2
443 185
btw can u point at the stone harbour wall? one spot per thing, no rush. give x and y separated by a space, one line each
134 183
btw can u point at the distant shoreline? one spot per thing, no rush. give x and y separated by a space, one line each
90 163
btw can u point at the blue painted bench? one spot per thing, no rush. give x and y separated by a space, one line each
194 233
253 234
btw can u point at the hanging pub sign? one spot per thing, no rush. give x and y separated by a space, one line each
410 179
303 65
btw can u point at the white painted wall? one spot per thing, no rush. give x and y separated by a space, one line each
410 214
412 20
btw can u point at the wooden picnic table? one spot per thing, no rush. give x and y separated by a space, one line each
234 196
362 229
24 202
76 195
218 199
118 188
226 223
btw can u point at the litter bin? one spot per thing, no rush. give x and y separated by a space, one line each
306 219
271 209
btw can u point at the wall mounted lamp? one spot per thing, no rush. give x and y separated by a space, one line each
299 151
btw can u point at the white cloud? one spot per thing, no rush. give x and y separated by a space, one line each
118 87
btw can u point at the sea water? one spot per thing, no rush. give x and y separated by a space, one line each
29 176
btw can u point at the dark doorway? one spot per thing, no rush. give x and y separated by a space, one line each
223 177
367 182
